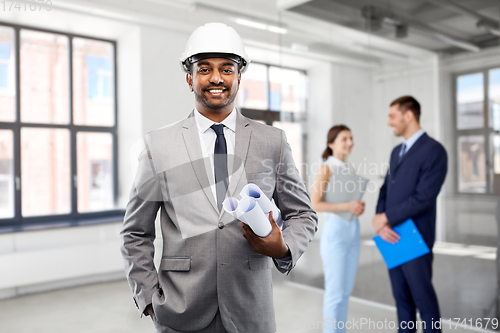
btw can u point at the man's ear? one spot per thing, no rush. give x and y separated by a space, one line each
239 78
189 80
408 116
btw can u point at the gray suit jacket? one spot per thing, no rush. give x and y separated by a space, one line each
205 268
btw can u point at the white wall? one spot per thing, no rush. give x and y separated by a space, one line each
319 121
353 107
165 95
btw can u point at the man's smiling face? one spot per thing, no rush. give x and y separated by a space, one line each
215 83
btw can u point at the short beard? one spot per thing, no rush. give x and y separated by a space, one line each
206 104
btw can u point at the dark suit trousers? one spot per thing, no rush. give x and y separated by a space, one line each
412 289
214 327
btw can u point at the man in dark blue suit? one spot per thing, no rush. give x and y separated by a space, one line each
417 171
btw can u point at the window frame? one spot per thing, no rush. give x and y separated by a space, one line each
270 116
74 218
486 132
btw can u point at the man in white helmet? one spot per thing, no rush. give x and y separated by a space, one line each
215 273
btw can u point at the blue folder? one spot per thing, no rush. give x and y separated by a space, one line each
411 245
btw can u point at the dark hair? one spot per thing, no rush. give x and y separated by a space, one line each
408 103
332 135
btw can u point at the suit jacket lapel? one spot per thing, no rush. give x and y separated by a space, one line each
415 147
243 134
192 142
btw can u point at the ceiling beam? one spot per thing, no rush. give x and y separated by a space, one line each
484 22
432 12
287 4
462 10
377 14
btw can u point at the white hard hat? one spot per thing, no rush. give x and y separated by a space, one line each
214 39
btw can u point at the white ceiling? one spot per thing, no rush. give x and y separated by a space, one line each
436 16
308 40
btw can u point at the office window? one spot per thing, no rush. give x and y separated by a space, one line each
254 88
44 77
494 99
95 171
472 164
58 144
495 139
6 174
93 87
288 90
470 101
477 124
4 65
45 171
7 75
276 96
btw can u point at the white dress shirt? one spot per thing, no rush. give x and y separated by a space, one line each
208 137
411 141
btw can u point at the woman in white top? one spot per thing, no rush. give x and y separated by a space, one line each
340 238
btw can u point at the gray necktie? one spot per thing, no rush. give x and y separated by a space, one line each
220 164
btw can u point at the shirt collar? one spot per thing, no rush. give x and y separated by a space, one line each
203 123
412 139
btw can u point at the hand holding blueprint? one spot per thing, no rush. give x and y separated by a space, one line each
253 209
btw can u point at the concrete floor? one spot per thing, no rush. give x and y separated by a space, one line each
108 308
464 278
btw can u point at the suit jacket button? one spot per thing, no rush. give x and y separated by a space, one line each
221 225
394 182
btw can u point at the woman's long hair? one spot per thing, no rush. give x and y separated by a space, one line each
332 135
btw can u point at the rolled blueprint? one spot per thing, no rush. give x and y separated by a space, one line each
254 191
250 213
230 205
253 209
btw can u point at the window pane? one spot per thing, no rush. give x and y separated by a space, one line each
470 101
7 75
44 78
288 90
495 170
93 83
95 171
472 164
496 153
6 174
494 94
253 88
294 137
45 171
